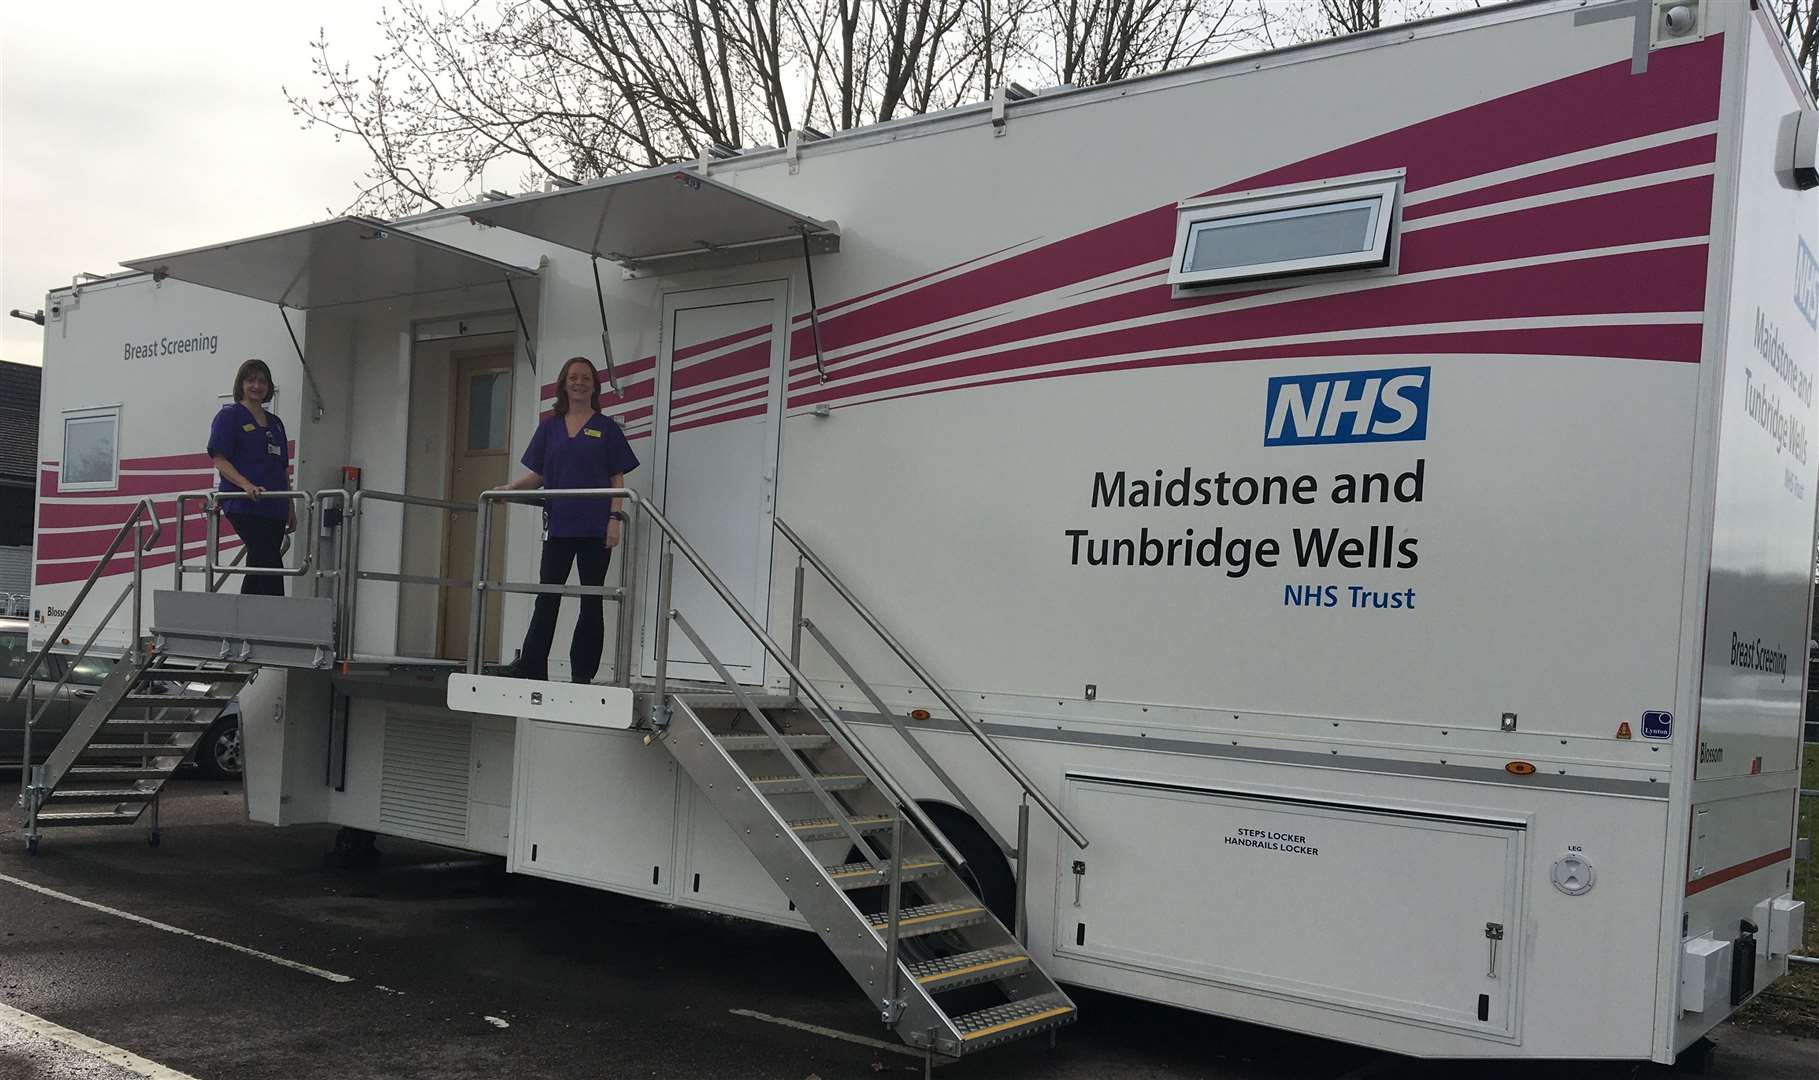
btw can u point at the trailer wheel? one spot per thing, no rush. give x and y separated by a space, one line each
354 847
988 871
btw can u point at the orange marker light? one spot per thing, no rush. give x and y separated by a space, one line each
1519 768
918 714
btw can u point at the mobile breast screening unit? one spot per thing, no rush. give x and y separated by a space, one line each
1323 538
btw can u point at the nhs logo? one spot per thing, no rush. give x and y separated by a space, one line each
1347 407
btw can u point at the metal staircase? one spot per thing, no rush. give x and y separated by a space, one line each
943 971
136 728
849 845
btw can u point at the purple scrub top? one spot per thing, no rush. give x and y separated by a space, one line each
589 460
262 454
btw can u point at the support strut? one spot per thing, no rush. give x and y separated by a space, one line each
524 330
814 308
606 342
307 375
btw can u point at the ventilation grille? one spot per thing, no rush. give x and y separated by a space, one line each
423 788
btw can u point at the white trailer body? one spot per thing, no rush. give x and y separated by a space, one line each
1417 643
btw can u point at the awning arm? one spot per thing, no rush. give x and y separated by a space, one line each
530 347
814 312
308 377
606 342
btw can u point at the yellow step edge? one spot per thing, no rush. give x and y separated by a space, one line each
869 871
987 965
885 923
836 825
1058 1010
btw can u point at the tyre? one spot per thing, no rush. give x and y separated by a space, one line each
988 872
218 755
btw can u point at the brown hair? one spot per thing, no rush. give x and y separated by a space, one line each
254 367
561 406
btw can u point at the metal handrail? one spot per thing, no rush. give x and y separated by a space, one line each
350 560
866 848
350 572
213 552
671 536
903 731
144 545
1029 787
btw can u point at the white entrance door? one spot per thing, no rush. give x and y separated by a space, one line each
720 375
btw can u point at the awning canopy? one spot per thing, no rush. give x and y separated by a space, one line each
673 219
349 260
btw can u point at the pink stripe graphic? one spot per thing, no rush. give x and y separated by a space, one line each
1675 211
1670 280
1701 150
61 573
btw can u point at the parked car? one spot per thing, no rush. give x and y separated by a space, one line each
217 753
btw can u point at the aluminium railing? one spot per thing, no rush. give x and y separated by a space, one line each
30 776
215 574
353 575
670 541
1030 790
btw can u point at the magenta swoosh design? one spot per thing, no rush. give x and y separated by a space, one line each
1580 112
122 564
1668 281
1699 150
1675 211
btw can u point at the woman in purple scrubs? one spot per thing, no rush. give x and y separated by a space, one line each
579 447
250 451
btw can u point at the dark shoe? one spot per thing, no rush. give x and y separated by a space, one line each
515 670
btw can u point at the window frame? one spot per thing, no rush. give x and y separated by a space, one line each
93 412
1191 214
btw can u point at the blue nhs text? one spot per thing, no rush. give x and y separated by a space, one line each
1389 405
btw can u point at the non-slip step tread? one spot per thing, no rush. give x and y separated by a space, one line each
930 918
88 817
119 725
1002 1019
826 828
153 749
176 701
765 742
101 794
862 873
190 675
115 773
963 969
794 785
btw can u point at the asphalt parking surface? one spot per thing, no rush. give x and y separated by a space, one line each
456 969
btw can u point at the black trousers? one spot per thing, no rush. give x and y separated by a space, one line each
264 539
590 556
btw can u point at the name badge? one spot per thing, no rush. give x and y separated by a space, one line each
275 451
590 433
246 427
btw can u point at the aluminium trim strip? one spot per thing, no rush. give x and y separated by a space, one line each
1590 785
1291 800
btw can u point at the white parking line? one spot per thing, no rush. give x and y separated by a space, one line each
831 1033
113 1055
169 929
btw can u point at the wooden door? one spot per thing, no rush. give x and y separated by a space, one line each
480 457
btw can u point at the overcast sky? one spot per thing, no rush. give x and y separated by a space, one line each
130 128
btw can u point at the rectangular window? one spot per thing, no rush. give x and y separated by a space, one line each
1328 228
91 450
489 395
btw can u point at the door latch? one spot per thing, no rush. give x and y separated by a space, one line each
1493 933
1079 876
